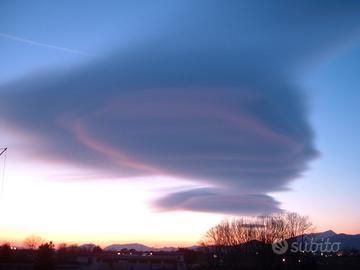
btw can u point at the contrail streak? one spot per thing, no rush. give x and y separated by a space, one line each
35 43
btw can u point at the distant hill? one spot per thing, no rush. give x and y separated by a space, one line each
89 246
137 247
347 241
320 235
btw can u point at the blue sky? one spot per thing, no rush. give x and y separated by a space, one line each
329 190
223 114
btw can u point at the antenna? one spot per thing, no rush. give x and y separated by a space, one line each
3 150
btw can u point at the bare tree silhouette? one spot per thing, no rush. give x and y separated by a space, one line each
33 241
267 229
241 242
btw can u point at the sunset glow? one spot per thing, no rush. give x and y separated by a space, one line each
150 123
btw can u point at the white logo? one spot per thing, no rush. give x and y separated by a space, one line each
280 247
309 245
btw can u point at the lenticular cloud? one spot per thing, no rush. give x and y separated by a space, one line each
209 100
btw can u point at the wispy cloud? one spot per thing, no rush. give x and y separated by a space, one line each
45 45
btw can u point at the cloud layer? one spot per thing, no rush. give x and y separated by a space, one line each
211 98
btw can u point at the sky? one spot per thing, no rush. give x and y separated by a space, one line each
151 122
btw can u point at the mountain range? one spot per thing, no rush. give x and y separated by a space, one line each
137 247
348 241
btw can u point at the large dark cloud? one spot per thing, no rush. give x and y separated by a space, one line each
211 97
